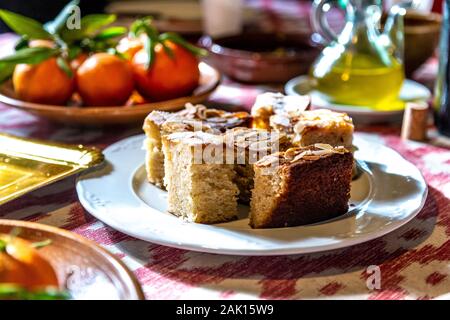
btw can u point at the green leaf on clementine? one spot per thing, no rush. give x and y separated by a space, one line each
168 50
6 71
2 245
90 25
176 38
149 47
21 43
30 55
41 244
111 32
13 291
73 52
64 66
24 26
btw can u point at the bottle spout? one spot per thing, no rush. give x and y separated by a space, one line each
394 27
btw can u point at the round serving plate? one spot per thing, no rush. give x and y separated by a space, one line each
96 116
410 91
388 193
88 271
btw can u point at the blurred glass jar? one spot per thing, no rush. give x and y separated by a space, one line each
222 17
442 89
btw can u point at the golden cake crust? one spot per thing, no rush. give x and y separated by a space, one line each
191 118
316 126
296 155
249 146
194 138
184 120
269 104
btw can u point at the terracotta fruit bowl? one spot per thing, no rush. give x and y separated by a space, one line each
84 269
98 116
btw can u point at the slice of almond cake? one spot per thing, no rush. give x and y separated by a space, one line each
199 182
192 118
270 104
302 185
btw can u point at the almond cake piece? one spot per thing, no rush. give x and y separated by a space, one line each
302 185
193 117
199 182
206 174
250 145
316 126
154 158
269 104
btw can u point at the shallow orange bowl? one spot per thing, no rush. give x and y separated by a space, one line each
97 116
83 268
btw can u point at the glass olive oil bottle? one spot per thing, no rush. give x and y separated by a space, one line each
362 66
358 79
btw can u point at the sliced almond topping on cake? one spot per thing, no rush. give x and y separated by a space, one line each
299 156
276 109
277 103
269 160
290 153
320 118
255 139
280 120
195 137
311 153
323 146
312 157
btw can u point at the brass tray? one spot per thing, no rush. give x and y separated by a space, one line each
26 164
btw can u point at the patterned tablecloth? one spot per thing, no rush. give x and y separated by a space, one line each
414 260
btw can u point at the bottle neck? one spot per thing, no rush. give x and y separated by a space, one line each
363 11
362 22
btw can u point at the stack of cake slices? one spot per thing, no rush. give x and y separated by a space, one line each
290 164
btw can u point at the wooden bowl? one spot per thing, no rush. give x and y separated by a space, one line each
261 57
421 38
97 116
85 269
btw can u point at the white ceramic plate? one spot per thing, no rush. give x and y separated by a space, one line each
389 192
410 91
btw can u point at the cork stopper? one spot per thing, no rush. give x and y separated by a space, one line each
415 118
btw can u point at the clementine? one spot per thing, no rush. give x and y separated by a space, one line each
104 80
44 82
22 264
168 77
78 61
129 47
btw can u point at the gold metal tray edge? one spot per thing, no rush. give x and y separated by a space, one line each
67 159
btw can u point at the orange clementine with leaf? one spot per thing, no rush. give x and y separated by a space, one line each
104 80
168 77
22 264
129 47
78 60
44 82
